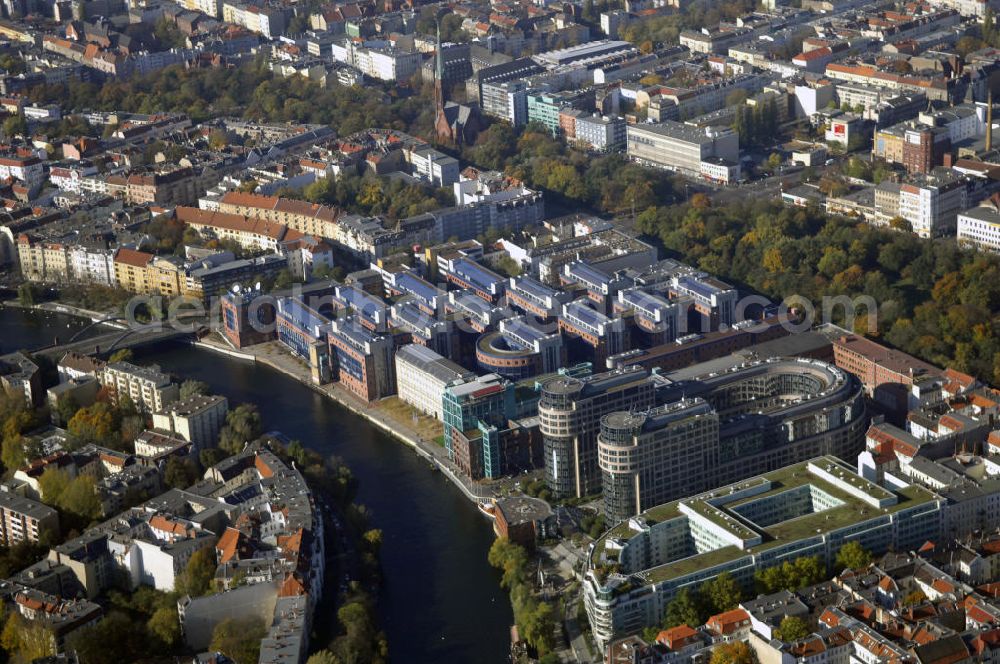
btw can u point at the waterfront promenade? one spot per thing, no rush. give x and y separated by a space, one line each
275 356
413 502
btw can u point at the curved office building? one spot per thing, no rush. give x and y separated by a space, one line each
520 350
569 415
495 354
726 426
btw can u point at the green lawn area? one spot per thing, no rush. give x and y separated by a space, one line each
693 564
428 428
777 534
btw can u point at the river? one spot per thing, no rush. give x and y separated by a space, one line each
25 328
441 601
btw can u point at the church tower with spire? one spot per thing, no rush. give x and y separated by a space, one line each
441 124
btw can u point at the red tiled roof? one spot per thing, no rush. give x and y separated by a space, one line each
133 257
728 621
232 222
228 545
244 199
291 587
262 467
167 525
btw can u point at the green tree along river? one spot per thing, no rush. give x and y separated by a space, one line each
441 600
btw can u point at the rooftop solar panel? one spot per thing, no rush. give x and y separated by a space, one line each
476 274
418 287
301 315
588 274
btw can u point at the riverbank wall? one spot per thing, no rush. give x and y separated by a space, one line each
407 438
393 429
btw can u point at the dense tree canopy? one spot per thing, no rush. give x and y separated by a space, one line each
792 628
251 91
934 300
570 177
239 639
25 641
791 575
536 620
243 425
853 556
199 573
737 652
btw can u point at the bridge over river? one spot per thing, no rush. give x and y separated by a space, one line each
121 335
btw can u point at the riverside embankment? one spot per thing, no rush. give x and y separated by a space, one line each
441 600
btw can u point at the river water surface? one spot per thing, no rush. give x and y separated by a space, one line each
441 600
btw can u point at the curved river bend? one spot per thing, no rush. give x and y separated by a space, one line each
441 600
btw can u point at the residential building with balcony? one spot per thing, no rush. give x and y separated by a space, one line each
25 520
148 388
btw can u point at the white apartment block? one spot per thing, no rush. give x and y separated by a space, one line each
601 133
29 170
160 552
148 388
720 170
153 444
507 100
68 178
96 266
857 94
932 209
962 122
422 376
433 166
379 59
211 7
968 8
197 419
980 227
266 21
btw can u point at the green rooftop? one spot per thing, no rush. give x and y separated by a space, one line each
783 532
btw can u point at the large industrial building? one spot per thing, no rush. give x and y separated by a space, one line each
680 147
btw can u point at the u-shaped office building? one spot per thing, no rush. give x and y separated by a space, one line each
806 509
